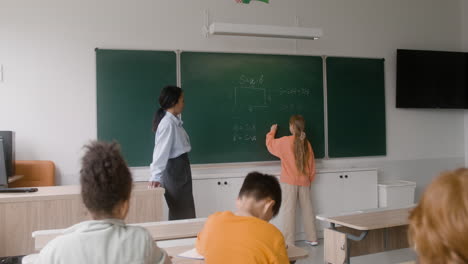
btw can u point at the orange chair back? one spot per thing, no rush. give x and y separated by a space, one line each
36 173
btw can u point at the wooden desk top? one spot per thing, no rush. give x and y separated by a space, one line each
164 230
294 253
60 192
371 219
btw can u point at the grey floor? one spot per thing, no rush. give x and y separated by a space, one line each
389 257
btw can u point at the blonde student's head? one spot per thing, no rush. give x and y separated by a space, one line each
259 196
301 144
439 224
106 182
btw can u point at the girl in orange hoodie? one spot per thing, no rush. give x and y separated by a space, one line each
297 173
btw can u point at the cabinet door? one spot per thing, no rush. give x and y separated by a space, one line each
228 192
359 190
326 193
205 196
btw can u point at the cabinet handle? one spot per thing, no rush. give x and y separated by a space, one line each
219 183
341 176
346 176
225 183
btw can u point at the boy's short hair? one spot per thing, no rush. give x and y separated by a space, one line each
105 178
261 186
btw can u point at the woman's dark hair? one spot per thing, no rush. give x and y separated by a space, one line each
105 178
168 98
261 186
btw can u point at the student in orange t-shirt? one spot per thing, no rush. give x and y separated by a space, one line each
246 236
297 173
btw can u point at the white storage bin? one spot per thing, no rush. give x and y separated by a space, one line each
396 194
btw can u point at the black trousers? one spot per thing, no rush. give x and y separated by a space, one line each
177 181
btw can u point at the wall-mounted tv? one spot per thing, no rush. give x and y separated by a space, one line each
432 79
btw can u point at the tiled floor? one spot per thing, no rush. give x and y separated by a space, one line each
389 257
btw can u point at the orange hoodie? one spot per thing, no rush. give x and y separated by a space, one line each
283 148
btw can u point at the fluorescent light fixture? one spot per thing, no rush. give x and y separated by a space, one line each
264 31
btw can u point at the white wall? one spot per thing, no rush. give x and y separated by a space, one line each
47 52
464 23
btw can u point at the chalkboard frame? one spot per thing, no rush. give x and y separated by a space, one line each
325 98
126 126
377 147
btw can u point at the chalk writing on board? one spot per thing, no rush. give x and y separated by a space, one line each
294 91
250 93
243 131
247 138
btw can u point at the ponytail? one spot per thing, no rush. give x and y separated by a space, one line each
158 116
301 144
168 98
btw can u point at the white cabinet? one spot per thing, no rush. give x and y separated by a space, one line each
344 191
331 192
213 195
341 191
360 190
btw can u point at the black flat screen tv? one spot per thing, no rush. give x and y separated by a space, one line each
8 142
432 79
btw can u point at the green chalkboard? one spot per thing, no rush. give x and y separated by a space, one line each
128 86
233 99
356 107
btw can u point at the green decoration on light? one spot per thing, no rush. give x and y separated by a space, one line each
248 1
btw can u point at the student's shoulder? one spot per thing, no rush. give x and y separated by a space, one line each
220 215
274 236
62 241
286 138
218 218
270 228
138 232
285 141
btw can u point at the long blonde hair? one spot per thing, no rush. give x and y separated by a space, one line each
438 226
301 144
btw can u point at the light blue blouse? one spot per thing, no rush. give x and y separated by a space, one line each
171 141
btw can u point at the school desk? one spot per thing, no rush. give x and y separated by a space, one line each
61 207
294 253
173 232
364 232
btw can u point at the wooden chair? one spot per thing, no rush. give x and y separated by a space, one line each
35 173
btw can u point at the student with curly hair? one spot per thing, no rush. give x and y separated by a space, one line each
106 184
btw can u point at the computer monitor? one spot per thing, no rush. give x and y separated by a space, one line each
9 151
3 173
7 159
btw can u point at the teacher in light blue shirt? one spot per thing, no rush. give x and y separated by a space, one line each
171 166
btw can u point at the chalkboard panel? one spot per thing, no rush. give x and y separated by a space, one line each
233 99
356 107
128 86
